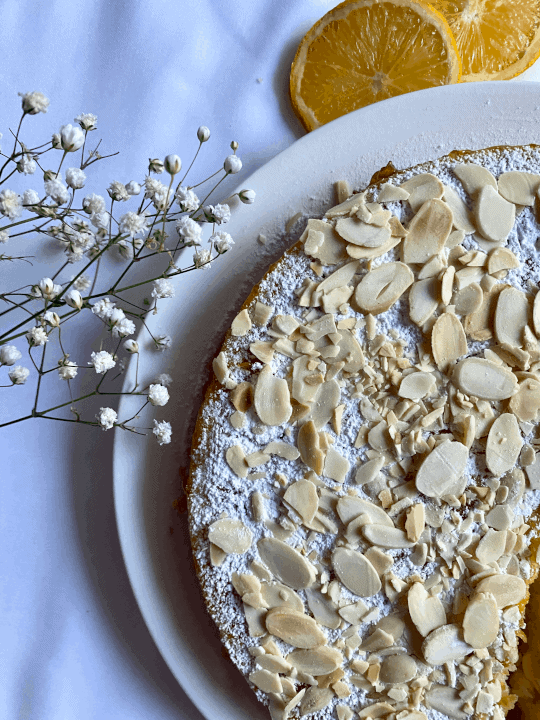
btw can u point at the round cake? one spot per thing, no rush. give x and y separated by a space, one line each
364 478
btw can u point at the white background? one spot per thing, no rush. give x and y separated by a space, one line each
72 640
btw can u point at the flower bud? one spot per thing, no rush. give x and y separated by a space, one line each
49 175
71 138
52 318
73 299
155 165
234 145
232 164
46 285
56 141
9 355
173 164
131 346
87 121
133 188
203 133
247 196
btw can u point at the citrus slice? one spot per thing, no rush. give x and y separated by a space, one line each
496 40
363 51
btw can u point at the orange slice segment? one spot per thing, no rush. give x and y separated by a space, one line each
363 51
496 40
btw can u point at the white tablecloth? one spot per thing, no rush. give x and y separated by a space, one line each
73 643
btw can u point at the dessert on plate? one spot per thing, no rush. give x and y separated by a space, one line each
365 474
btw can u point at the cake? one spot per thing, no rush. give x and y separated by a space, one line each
365 475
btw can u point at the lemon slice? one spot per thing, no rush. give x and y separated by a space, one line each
496 40
363 51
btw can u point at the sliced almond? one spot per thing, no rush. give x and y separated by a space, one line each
282 449
356 572
360 233
478 324
494 215
275 594
507 589
428 232
273 663
231 535
519 187
378 640
294 628
309 447
441 473
448 341
350 353
491 546
445 644
332 250
511 316
352 203
266 681
503 445
396 228
447 701
333 300
302 497
221 371
318 661
324 403
343 190
236 460
286 563
315 699
369 471
417 385
301 391
340 277
423 299
474 177
468 300
481 620
398 669
241 324
350 507
427 613
415 522
262 313
392 193
433 268
536 313
421 188
525 404
484 379
336 466
242 396
387 537
272 400
354 613
323 608
461 213
500 517
376 710
501 258
382 287
364 253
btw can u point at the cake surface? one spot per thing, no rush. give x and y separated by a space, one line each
364 475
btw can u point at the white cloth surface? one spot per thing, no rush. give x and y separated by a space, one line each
73 642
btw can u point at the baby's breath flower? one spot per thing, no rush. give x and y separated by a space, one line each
164 379
123 328
132 224
187 199
201 259
163 342
131 346
203 134
162 289
102 361
190 230
133 187
163 431
125 249
19 375
48 289
158 395
9 355
26 165
71 137
56 141
30 197
57 191
93 204
155 166
103 308
34 103
82 283
87 121
10 204
222 241
75 178
4 236
232 164
73 299
234 145
37 336
100 220
247 196
117 191
74 254
172 164
217 213
107 417
51 318
67 370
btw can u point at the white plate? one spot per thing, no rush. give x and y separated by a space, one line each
407 130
